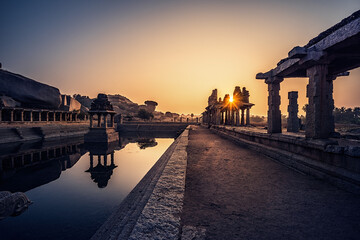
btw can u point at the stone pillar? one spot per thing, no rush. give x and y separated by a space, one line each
232 117
91 160
293 108
99 120
218 116
21 115
237 117
91 120
227 120
105 120
274 113
248 116
112 120
112 158
31 116
46 116
242 117
11 115
319 118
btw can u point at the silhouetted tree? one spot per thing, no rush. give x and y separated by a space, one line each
347 115
145 115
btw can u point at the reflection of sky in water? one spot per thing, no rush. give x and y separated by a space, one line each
73 207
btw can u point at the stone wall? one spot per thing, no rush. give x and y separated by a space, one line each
41 132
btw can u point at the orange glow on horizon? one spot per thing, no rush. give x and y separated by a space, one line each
177 55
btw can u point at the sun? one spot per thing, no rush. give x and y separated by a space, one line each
231 99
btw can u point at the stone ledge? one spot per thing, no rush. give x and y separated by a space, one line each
160 218
157 198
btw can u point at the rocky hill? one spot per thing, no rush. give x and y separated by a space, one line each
27 92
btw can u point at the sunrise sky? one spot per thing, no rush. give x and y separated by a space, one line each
173 52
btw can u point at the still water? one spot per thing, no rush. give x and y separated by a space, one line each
72 197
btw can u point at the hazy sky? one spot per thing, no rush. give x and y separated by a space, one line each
173 52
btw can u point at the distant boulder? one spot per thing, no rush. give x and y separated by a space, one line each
29 93
151 106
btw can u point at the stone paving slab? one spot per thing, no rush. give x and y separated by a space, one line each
235 193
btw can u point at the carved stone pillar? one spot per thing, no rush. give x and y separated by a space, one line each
105 160
111 124
11 115
99 120
242 117
274 113
22 115
91 160
237 115
228 117
105 120
112 158
218 116
91 120
293 108
319 118
232 118
248 116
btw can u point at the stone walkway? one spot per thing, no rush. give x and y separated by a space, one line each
235 193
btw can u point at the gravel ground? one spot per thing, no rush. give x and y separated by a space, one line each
235 193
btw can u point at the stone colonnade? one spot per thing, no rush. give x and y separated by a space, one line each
293 109
34 157
104 157
227 116
234 118
36 115
102 120
319 117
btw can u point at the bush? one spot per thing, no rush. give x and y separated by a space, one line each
145 115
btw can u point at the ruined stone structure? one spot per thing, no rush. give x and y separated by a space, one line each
227 112
69 103
104 130
293 108
28 101
322 60
23 115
